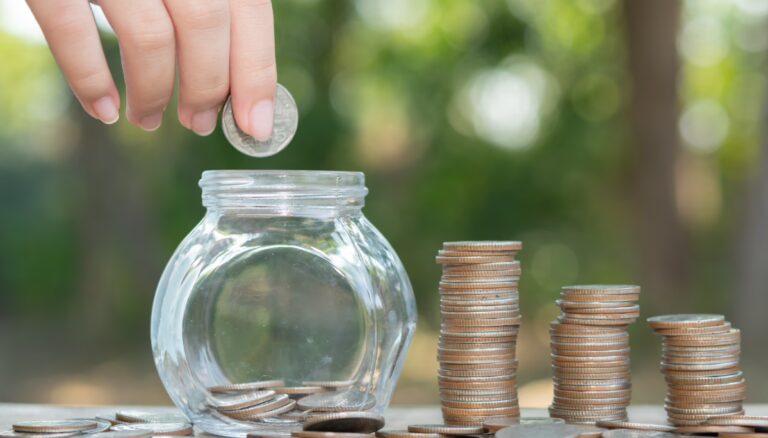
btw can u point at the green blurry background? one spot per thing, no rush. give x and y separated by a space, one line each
620 140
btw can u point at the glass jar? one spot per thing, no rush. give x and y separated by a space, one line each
283 299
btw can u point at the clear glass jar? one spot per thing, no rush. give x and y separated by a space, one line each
287 289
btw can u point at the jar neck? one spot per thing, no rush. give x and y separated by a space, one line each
283 193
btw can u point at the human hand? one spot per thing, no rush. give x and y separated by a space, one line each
221 47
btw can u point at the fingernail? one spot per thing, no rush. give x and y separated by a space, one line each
261 119
151 123
204 122
106 110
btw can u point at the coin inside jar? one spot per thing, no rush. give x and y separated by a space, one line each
286 120
350 400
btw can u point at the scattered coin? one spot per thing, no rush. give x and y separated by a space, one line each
54 426
493 425
366 422
443 429
172 429
133 416
630 433
124 434
634 426
286 121
13 434
712 429
557 430
112 418
349 400
312 434
101 426
405 434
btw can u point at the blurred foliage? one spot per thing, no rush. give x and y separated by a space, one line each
471 120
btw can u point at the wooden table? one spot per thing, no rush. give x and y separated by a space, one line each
398 417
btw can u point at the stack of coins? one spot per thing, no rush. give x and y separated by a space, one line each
700 362
480 315
590 352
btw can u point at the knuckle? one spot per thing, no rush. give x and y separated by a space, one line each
69 27
89 83
206 95
263 70
152 35
206 14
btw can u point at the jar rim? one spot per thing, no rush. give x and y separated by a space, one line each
270 188
286 177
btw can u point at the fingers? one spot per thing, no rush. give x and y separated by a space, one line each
203 37
71 33
145 33
254 75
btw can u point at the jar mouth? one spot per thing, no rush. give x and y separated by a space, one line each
269 189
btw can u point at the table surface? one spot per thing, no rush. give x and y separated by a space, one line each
398 417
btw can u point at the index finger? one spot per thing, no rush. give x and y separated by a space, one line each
71 32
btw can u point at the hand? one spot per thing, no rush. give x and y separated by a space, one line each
221 46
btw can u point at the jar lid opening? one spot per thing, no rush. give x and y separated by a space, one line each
281 188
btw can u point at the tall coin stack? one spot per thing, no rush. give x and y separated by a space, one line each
480 314
590 352
700 362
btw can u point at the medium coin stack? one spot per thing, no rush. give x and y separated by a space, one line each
700 363
590 352
480 314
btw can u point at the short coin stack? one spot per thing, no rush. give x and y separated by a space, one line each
480 314
700 362
590 352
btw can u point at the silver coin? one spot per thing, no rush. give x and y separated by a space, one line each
246 387
14 434
54 426
338 401
101 426
233 402
633 433
133 416
284 128
124 434
176 429
685 320
555 430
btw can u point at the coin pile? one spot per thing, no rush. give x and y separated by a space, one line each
268 400
124 424
590 352
480 315
700 363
